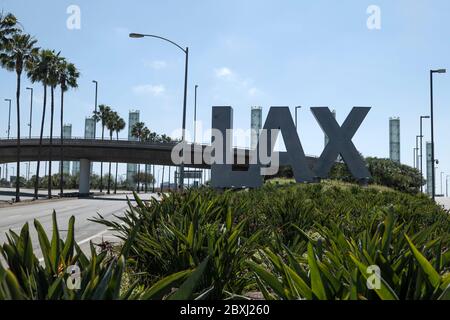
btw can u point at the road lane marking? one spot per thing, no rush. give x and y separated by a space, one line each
92 237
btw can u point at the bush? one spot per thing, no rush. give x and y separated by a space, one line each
248 236
284 242
384 172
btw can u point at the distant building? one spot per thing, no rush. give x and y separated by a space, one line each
255 126
67 134
394 139
89 130
133 118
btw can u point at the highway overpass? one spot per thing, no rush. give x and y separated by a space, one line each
97 150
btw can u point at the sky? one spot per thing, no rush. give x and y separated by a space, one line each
250 53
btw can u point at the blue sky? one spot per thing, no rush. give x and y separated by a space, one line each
245 53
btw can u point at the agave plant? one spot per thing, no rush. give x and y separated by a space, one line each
26 278
334 266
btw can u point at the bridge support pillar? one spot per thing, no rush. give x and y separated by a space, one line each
85 169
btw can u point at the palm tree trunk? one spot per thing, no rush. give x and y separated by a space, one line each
109 173
52 111
146 179
61 180
101 163
162 180
18 139
138 178
36 182
115 183
153 176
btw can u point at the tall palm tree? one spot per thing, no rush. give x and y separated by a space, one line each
111 126
68 76
39 72
102 115
18 55
119 126
140 131
8 27
53 81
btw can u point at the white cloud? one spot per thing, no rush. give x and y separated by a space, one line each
253 91
223 72
234 79
156 64
154 90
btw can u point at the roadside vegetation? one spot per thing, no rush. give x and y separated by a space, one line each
384 172
280 242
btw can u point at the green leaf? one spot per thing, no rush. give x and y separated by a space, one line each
161 287
187 288
268 278
385 292
44 244
316 280
69 245
55 249
433 276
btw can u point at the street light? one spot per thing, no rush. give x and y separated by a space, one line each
417 152
433 181
442 192
297 107
421 148
186 52
414 157
29 125
95 108
195 112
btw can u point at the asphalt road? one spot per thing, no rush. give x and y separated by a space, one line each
7 194
445 202
15 216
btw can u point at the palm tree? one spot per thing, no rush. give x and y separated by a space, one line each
140 131
119 126
8 27
111 126
39 72
68 75
53 81
18 54
102 115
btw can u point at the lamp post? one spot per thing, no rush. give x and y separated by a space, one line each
417 152
421 148
9 130
195 112
442 191
29 125
414 157
186 52
297 107
432 127
95 107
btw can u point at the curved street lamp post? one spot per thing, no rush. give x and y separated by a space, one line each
186 52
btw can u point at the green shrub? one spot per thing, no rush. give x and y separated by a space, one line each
287 242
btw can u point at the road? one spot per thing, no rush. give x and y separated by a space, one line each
7 194
444 202
15 216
